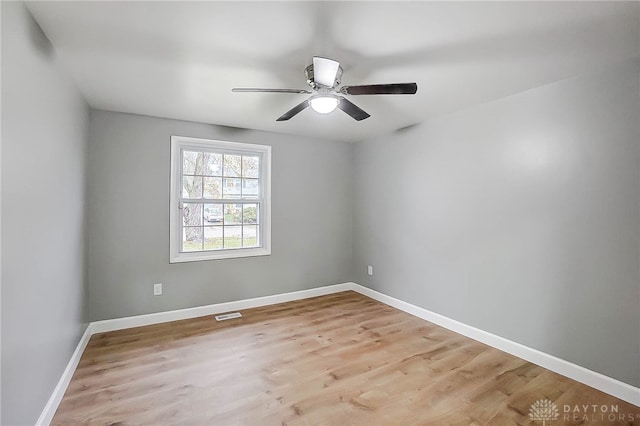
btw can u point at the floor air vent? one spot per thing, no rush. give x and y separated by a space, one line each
232 315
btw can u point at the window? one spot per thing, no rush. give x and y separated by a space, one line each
220 199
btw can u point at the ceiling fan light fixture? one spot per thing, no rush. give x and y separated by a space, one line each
324 75
324 104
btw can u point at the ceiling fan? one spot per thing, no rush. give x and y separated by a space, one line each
323 76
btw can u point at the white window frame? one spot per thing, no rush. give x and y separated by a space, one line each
181 143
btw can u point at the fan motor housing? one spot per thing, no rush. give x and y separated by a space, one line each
308 71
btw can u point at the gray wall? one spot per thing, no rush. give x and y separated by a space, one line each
129 219
44 141
519 217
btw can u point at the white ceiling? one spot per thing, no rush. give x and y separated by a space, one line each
181 59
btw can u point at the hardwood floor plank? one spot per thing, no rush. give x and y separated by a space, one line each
330 360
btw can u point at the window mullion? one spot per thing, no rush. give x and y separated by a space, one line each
221 200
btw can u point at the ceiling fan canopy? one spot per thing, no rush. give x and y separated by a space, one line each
324 76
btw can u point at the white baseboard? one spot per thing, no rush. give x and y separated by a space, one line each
52 405
580 374
606 384
218 308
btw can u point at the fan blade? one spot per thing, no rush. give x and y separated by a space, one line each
381 89
293 111
255 89
354 111
325 71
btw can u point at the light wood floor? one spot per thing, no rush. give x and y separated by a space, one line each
332 360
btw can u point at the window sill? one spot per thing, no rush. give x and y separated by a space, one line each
217 255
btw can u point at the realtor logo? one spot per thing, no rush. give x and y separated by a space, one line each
543 410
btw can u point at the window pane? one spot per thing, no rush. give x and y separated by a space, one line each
213 237
249 213
212 187
232 214
200 160
232 165
232 237
213 165
249 236
189 162
192 214
251 167
191 187
231 187
250 188
192 238
213 214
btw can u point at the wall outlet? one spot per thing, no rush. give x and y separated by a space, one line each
369 269
157 289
